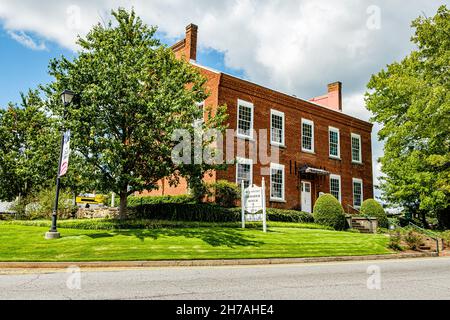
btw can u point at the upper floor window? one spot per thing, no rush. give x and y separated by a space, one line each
307 135
276 182
334 141
244 172
356 148
335 186
277 127
357 193
245 119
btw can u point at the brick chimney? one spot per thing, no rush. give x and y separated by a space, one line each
335 95
191 42
333 99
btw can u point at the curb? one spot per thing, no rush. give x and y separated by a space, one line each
206 263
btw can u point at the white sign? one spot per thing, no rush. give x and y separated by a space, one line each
65 154
253 200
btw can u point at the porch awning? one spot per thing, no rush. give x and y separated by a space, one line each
311 170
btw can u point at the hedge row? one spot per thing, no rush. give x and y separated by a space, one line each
209 213
134 201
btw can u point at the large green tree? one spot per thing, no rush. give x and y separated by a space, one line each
132 95
411 99
28 147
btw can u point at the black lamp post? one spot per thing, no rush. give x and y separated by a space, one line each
67 97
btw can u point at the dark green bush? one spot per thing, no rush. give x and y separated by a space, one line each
209 213
225 193
372 208
329 212
134 201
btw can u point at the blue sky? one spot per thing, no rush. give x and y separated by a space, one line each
23 68
295 46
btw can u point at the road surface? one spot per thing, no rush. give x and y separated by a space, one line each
426 278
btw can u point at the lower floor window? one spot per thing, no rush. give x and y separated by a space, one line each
335 186
244 172
357 193
276 182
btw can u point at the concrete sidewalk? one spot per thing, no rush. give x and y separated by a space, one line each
208 263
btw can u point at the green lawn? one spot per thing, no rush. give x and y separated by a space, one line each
26 243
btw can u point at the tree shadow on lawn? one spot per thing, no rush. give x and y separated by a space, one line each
214 237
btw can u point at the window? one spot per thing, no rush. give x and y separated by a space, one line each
334 140
244 172
198 122
245 119
277 127
307 135
357 193
335 186
276 182
356 148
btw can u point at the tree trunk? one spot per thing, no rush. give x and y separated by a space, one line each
423 218
123 205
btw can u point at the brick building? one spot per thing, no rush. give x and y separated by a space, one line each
320 148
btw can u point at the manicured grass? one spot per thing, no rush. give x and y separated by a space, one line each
27 243
114 224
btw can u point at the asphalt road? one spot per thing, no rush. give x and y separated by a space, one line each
427 278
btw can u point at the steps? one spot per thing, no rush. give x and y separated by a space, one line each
360 228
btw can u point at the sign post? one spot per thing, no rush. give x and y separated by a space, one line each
242 204
253 200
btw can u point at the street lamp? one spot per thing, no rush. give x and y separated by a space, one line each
67 98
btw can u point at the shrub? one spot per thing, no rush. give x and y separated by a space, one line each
329 212
225 193
40 205
395 238
413 239
288 215
372 208
134 201
209 213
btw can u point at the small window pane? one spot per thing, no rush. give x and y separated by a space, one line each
245 120
276 189
334 143
244 174
307 132
277 128
335 188
357 193
356 146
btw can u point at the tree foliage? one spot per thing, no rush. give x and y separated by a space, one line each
411 99
29 147
133 94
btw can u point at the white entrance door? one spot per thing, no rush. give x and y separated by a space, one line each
306 197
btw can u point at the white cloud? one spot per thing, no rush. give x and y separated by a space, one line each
26 40
290 45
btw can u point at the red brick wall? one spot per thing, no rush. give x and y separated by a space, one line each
232 89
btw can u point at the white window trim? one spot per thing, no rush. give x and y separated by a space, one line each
244 161
279 167
310 122
333 129
355 135
353 192
337 177
252 107
280 114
